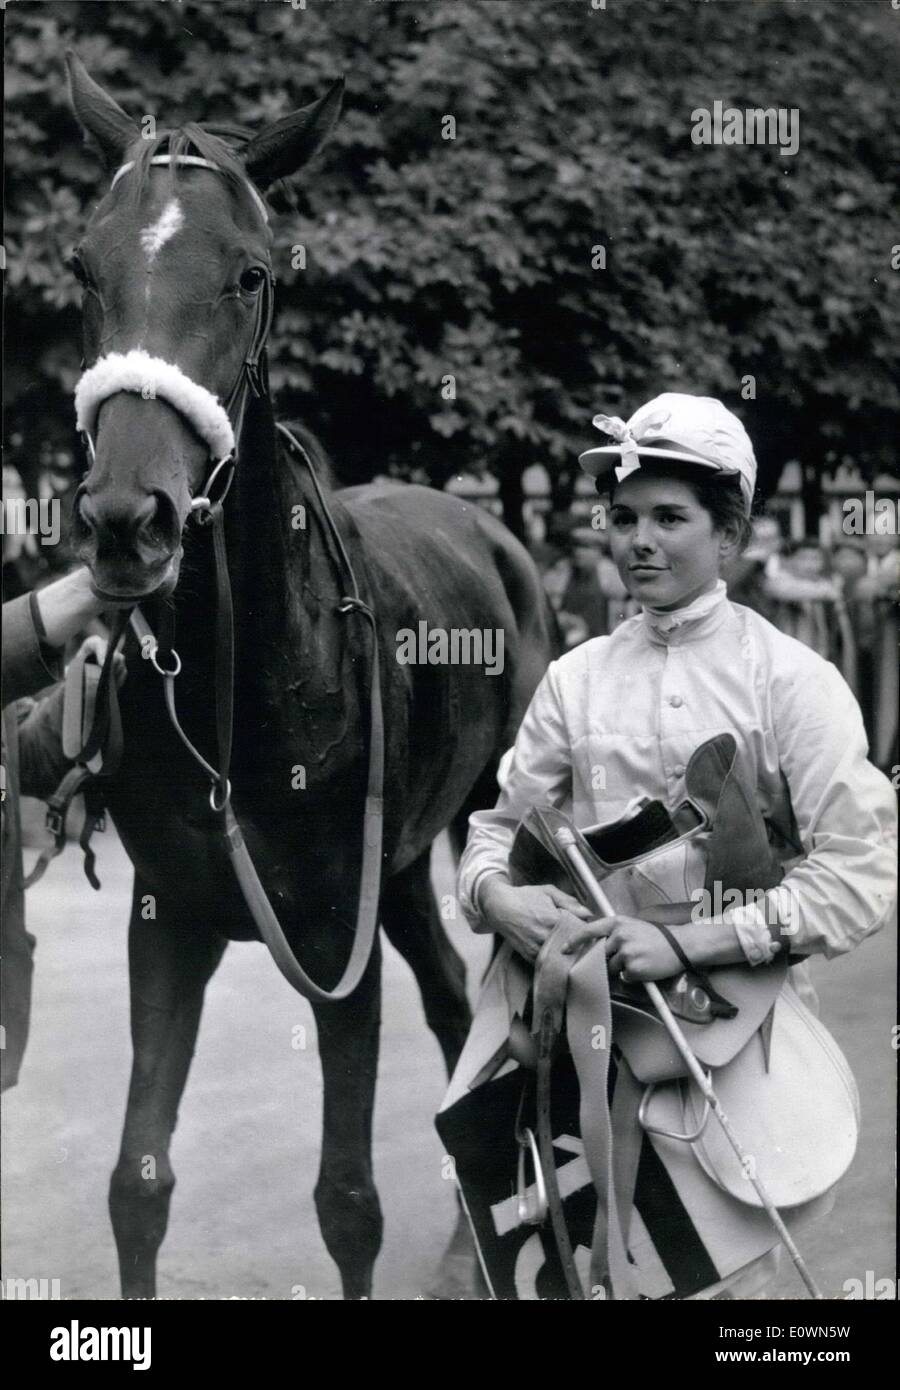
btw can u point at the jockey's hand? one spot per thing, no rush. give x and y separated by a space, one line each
635 949
525 916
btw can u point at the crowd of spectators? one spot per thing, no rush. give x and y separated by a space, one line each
840 600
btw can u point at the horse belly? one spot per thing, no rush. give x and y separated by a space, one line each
455 726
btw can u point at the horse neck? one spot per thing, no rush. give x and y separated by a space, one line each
268 556
281 554
285 590
255 525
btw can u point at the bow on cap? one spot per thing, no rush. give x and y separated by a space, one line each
621 433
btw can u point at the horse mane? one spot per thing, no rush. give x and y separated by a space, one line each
208 141
318 454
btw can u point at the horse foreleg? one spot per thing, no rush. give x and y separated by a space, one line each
171 958
345 1195
413 925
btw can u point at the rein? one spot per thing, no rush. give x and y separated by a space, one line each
208 508
255 896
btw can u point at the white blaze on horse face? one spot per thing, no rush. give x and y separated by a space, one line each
154 237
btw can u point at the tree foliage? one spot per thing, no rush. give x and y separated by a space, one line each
475 257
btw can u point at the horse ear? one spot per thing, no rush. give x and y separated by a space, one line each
112 128
291 142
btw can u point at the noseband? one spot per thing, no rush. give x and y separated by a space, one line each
221 427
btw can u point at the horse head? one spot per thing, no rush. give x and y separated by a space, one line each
175 266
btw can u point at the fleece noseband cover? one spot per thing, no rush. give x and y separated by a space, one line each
153 377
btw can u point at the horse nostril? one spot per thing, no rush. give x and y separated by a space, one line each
157 521
145 528
145 514
83 513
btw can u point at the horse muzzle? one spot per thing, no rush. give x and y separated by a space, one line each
132 548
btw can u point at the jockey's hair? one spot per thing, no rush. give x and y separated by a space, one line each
721 497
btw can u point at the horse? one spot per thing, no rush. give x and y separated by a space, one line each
175 264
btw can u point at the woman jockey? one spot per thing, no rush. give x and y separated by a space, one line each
616 720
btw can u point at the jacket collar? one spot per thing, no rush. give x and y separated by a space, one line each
698 620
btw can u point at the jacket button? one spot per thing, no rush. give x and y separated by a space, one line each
678 770
675 701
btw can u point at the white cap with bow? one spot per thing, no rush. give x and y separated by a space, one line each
690 429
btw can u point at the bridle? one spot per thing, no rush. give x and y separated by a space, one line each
220 425
207 508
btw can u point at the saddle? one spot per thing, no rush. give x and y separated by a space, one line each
594 1049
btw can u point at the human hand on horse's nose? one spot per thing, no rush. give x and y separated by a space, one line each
525 916
634 948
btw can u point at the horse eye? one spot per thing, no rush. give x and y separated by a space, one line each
77 267
252 279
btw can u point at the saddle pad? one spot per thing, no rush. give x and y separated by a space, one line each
685 1234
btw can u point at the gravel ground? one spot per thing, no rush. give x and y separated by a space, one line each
246 1149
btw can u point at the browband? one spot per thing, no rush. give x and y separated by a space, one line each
199 163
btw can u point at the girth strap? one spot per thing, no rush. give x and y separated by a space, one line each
589 1009
550 984
719 1006
105 737
581 992
57 817
94 819
106 733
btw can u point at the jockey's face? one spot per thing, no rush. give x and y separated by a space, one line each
663 542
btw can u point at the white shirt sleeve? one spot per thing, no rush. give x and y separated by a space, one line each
845 810
536 770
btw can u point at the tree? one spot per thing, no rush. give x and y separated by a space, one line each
512 228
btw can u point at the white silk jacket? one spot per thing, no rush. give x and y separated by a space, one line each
618 718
